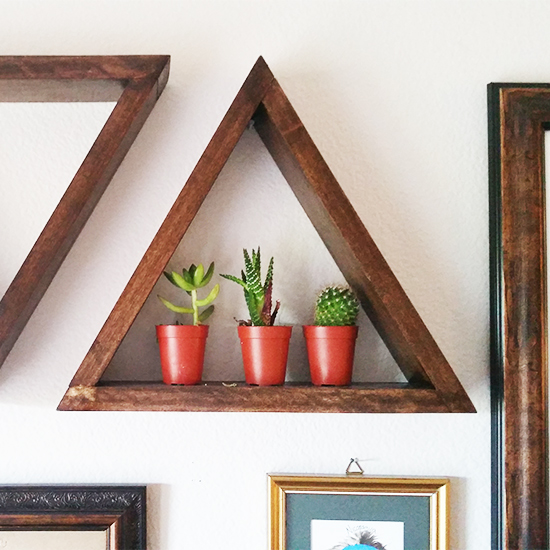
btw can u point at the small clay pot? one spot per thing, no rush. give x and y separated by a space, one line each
265 353
182 352
330 352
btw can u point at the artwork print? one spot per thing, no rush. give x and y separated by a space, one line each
357 535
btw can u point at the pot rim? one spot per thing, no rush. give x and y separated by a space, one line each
175 331
277 331
322 331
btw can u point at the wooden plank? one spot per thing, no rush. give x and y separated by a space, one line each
354 251
243 398
41 91
175 225
148 76
75 78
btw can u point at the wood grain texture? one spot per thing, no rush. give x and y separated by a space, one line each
56 521
433 385
354 251
174 226
365 398
141 80
518 116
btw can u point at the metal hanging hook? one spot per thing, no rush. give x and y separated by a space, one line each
350 472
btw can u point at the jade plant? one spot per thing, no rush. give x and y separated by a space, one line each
336 306
257 295
190 281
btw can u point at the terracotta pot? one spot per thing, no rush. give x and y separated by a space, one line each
330 352
182 352
265 352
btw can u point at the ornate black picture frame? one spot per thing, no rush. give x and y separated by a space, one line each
119 510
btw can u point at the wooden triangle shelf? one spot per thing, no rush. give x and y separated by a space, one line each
432 385
135 82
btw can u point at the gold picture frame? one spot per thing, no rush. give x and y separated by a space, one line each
296 501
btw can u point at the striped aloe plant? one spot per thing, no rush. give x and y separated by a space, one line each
257 295
190 280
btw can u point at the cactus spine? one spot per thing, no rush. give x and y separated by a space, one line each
336 306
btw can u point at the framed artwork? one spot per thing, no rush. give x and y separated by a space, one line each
519 116
66 517
357 512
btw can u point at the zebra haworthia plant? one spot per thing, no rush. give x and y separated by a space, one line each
190 281
336 306
258 296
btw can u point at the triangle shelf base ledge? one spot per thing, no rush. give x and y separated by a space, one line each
432 384
239 397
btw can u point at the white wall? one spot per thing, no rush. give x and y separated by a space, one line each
393 93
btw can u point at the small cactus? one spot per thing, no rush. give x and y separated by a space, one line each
336 306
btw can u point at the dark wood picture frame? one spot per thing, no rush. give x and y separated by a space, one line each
135 82
120 510
519 114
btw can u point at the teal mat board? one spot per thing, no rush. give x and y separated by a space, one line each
414 511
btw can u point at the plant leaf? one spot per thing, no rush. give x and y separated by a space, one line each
274 314
181 282
198 275
187 276
210 298
253 277
170 278
206 313
234 279
266 309
207 276
172 307
269 276
253 309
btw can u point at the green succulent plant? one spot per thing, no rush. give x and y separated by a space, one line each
190 280
336 306
257 295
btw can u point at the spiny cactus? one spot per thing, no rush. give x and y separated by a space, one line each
336 306
256 295
190 280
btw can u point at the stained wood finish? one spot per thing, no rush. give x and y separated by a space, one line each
173 228
518 115
354 250
362 398
135 82
262 100
119 509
